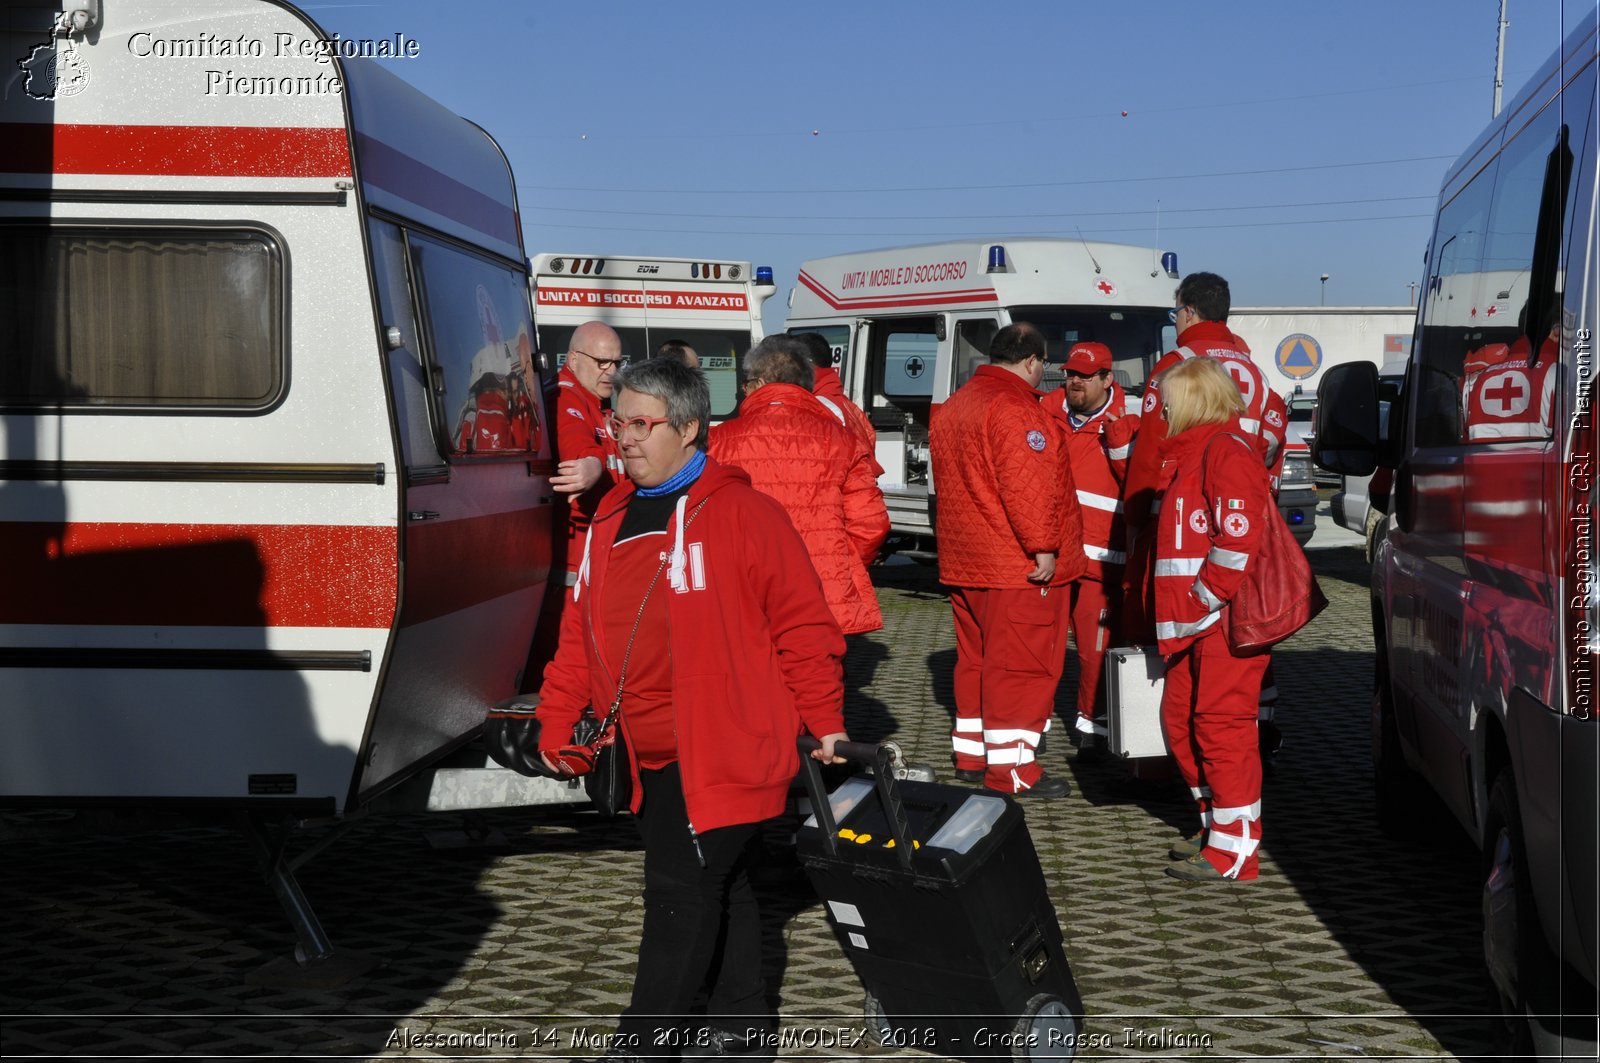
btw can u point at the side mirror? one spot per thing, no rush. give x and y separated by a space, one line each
1348 438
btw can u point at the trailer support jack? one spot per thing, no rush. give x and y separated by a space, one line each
315 964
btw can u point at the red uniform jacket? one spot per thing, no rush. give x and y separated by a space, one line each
827 386
1097 451
756 655
582 431
1207 338
1509 394
1004 488
1213 500
797 451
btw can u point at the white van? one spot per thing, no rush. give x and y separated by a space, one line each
274 492
712 305
908 325
1486 588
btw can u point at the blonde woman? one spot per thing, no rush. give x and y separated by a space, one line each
1214 496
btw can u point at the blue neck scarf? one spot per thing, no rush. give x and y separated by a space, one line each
682 478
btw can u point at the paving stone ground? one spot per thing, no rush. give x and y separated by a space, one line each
1350 946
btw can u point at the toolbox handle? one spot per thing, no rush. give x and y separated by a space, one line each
881 759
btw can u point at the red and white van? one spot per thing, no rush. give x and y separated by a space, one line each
274 492
1486 585
712 305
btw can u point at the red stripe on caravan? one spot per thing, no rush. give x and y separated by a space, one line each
178 151
203 575
964 295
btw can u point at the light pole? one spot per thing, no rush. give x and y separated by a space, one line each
1324 289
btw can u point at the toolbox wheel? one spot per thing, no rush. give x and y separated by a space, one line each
1046 1032
876 1021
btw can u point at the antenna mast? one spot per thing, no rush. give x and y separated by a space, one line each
1500 59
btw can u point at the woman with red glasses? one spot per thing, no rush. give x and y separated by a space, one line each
696 605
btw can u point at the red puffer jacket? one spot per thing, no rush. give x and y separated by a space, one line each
1213 499
756 656
1004 488
828 388
797 451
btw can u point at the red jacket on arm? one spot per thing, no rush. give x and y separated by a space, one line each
756 654
582 431
828 388
1214 498
796 451
1004 491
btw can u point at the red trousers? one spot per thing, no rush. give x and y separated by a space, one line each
1208 711
1095 609
1010 650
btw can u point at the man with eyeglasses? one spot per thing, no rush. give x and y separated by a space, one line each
590 461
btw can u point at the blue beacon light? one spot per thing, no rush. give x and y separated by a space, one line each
997 259
763 274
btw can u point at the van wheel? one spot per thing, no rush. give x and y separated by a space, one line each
1398 792
1514 948
1374 530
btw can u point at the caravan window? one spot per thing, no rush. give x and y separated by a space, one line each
482 343
408 376
117 318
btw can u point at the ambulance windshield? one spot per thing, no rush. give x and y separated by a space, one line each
720 352
1137 337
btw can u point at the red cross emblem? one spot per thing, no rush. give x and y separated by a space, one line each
1105 287
1492 311
1506 394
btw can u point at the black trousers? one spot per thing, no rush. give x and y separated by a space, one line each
701 926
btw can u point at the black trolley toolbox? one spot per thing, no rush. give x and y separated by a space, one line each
936 895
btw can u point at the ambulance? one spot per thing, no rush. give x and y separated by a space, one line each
909 325
1485 581
712 305
274 479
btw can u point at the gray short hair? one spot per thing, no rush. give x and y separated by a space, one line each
781 360
684 391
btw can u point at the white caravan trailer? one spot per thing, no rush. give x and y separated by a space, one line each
713 306
274 493
908 325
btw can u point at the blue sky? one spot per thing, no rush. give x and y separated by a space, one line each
1271 142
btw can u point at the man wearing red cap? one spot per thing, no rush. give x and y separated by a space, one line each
1099 440
1010 541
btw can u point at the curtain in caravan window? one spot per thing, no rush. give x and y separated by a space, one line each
139 319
